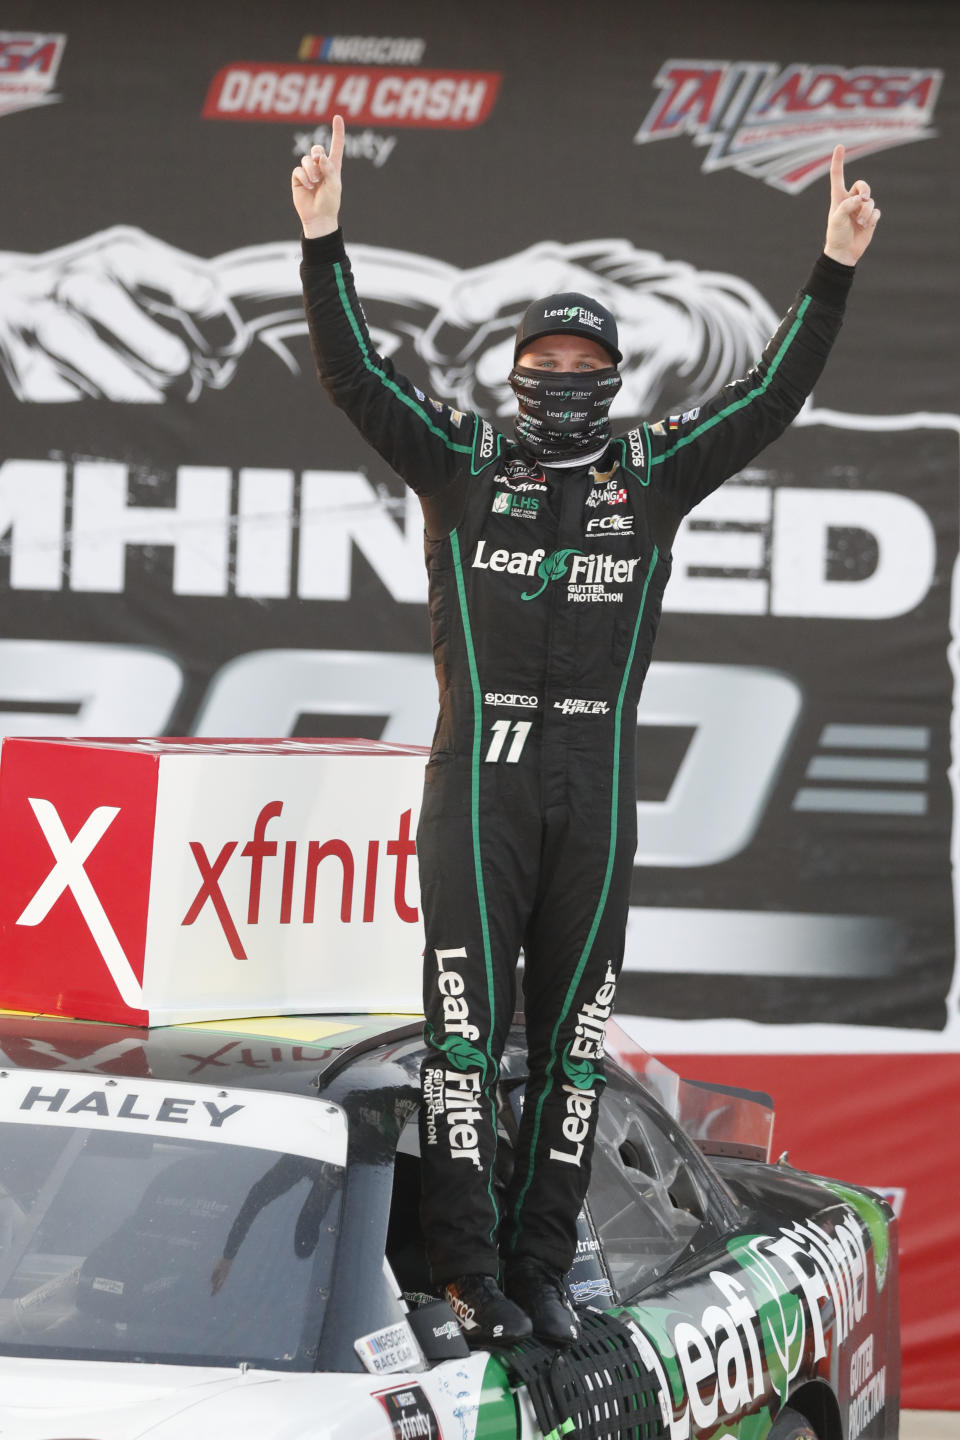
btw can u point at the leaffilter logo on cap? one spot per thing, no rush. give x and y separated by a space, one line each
575 312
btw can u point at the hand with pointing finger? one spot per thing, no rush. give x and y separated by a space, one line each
853 215
316 185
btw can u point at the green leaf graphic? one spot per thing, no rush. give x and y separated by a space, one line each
551 567
873 1216
580 1072
462 1055
781 1315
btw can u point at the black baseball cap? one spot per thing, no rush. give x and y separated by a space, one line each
569 313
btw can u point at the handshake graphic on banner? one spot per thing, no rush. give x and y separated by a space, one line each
123 316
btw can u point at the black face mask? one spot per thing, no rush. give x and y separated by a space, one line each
564 414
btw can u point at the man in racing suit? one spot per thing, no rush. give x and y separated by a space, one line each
547 558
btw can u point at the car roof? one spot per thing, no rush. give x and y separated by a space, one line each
298 1053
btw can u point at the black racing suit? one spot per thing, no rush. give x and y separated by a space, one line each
545 589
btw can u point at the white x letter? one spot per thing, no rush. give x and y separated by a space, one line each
68 874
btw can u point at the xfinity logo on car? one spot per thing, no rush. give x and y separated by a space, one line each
68 875
260 849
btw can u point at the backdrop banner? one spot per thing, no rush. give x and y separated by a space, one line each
194 543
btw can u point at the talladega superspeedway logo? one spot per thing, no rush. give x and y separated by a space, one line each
780 125
29 62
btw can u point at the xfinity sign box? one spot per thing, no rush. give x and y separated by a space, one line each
160 881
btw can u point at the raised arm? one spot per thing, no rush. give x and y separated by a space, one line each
426 443
691 454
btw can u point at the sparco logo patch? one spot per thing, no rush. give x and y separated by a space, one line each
780 125
521 702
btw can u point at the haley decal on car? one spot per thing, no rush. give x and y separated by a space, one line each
290 1123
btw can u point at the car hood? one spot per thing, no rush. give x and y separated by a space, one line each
47 1399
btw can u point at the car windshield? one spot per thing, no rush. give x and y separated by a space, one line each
151 1221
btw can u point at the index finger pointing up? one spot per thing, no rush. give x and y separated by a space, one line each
838 189
336 142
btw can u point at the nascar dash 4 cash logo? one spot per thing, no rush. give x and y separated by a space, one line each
780 125
369 79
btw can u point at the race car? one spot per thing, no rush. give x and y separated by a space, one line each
212 1229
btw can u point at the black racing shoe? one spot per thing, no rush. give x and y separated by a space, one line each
485 1314
539 1290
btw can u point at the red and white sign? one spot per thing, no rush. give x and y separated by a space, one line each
29 62
780 125
425 99
161 881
